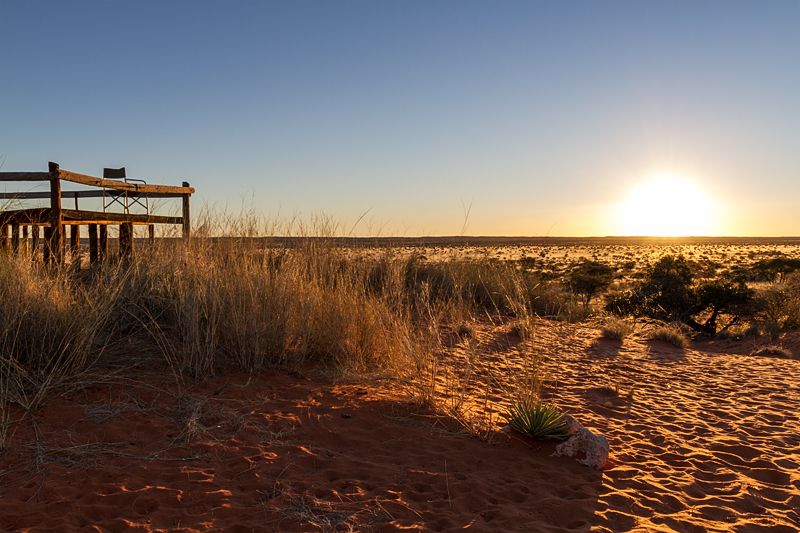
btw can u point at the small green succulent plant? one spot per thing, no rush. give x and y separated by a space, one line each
537 419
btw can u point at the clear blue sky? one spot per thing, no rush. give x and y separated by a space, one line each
546 117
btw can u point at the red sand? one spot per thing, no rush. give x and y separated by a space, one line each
709 442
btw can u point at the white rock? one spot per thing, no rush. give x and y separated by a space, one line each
582 440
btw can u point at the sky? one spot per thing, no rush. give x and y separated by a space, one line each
408 118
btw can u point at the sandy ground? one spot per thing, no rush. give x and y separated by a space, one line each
708 441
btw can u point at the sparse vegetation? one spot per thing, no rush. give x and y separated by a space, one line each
777 306
616 329
774 351
670 333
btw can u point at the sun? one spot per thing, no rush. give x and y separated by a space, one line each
667 206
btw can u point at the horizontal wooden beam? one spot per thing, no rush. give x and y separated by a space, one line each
24 176
95 182
71 215
31 195
121 185
85 194
41 216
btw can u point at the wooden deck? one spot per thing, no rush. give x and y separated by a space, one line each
19 228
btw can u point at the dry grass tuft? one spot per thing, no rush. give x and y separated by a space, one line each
616 329
774 351
670 333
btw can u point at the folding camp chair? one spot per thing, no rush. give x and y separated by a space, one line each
125 199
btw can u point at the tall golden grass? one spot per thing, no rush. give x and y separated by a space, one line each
252 305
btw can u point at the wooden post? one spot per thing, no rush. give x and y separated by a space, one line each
103 249
151 234
4 238
93 253
126 240
187 223
15 237
75 243
34 242
48 243
26 246
56 236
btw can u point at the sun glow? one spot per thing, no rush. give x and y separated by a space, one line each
667 206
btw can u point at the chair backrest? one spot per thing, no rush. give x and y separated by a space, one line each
114 173
124 199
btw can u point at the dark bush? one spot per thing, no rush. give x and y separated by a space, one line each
774 269
668 293
590 278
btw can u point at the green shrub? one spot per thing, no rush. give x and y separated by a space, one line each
537 419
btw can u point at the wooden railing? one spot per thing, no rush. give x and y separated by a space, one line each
56 217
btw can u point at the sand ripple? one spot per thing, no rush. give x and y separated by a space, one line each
708 441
